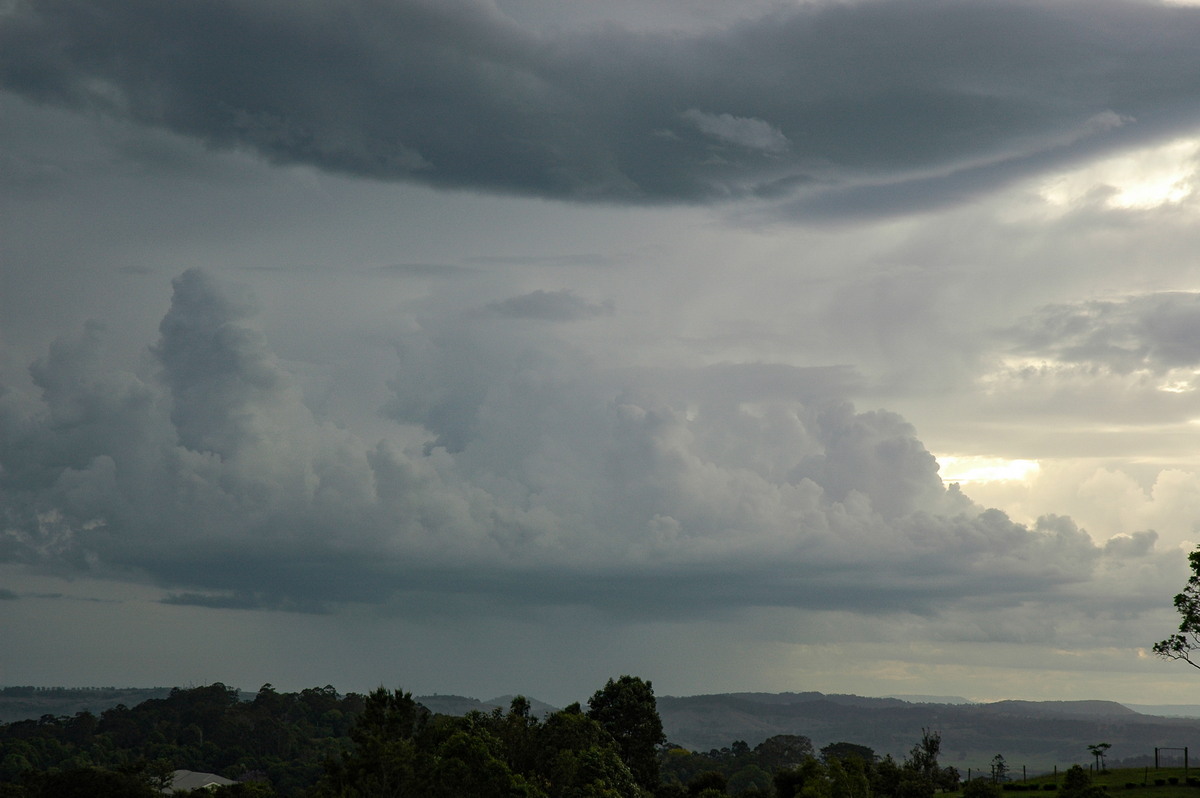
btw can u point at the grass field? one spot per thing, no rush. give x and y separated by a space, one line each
1122 783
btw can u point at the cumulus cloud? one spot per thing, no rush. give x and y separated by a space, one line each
566 484
865 98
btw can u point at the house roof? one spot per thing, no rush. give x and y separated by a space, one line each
192 780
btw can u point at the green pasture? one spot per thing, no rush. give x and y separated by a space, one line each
1141 782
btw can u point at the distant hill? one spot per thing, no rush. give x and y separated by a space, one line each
23 703
1168 710
1063 709
1037 735
933 699
1034 734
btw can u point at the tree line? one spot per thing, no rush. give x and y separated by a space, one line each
320 744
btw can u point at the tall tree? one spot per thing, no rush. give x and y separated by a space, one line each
383 763
924 755
999 769
626 709
1184 644
1100 751
919 775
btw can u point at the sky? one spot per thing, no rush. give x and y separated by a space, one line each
505 346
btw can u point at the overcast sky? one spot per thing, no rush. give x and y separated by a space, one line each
493 347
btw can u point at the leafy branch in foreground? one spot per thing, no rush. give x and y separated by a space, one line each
1185 644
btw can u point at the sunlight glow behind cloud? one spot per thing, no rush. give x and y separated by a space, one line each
1137 180
968 469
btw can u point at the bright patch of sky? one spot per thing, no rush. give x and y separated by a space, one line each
1139 180
970 469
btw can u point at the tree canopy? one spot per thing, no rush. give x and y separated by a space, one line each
1185 643
625 708
319 744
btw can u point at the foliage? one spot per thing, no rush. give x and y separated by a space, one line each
746 770
1184 644
981 788
999 769
281 739
625 708
1100 751
1078 784
786 766
401 751
846 751
383 760
92 783
319 744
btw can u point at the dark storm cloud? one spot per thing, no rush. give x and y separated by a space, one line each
904 95
630 492
1154 332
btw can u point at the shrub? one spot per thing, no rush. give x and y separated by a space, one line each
980 788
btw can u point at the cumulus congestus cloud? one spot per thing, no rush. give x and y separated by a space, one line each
916 102
569 484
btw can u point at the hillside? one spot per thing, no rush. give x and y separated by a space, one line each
22 703
1036 734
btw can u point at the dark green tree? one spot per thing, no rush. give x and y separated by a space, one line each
91 783
468 763
913 785
848 777
1099 751
783 751
919 776
810 780
626 709
383 762
999 769
982 787
844 751
923 759
575 756
707 781
1184 644
599 771
1078 784
948 779
885 777
751 779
